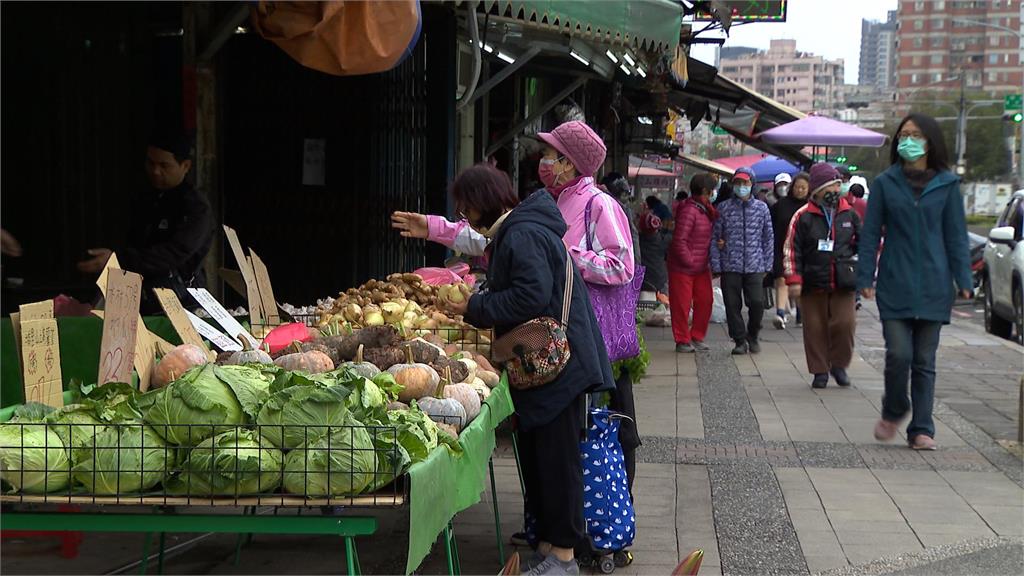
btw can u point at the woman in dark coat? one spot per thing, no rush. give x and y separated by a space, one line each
526 280
918 203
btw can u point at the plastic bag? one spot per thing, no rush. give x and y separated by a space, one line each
660 316
718 307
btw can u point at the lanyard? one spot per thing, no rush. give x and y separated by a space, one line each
828 221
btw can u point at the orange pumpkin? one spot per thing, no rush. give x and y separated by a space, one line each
177 362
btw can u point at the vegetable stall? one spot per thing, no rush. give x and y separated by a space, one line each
377 400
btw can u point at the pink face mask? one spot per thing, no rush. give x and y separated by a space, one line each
546 172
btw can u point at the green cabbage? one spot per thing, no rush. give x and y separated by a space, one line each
33 458
234 463
76 424
417 433
301 414
125 457
342 463
183 412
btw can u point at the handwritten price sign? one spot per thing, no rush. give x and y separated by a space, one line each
120 326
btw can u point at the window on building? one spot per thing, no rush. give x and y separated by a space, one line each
918 42
993 77
919 5
915 78
993 58
1006 58
993 40
936 59
918 24
938 24
960 24
937 77
974 79
936 42
973 41
915 61
940 5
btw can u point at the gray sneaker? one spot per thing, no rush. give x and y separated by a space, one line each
555 567
684 348
700 346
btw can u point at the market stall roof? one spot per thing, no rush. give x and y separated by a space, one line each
638 171
651 25
734 162
709 165
707 95
822 131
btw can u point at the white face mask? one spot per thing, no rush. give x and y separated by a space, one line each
782 190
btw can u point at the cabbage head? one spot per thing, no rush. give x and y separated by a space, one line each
342 463
302 414
234 463
183 411
76 424
33 458
126 457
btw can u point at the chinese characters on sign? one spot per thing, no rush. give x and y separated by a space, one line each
120 326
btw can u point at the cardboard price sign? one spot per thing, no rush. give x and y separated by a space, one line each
221 316
256 312
266 290
38 341
120 327
145 341
176 314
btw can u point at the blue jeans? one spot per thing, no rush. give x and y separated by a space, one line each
910 346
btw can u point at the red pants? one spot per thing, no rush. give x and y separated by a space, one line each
684 292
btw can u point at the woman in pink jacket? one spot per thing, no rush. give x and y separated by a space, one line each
689 275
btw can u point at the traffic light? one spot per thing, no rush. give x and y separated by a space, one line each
853 167
841 159
1015 117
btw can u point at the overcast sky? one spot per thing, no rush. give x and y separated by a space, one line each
830 28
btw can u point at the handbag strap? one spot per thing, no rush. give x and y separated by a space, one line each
567 296
586 223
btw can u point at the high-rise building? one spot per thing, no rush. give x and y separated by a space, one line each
938 40
801 80
878 53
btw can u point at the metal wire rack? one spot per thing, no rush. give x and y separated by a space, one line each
214 465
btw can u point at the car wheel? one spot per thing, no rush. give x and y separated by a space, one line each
993 323
1018 313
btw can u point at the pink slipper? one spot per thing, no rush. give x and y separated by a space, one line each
885 430
923 442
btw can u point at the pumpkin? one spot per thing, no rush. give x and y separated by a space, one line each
444 411
465 395
417 380
361 367
392 406
471 367
313 361
484 363
249 355
491 379
177 362
482 390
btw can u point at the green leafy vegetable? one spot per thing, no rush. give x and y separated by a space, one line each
233 463
184 411
31 412
33 458
417 433
301 414
342 463
125 457
76 424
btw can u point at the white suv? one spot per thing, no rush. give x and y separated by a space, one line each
1004 272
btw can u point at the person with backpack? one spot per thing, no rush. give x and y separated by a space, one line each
743 251
689 273
819 263
793 199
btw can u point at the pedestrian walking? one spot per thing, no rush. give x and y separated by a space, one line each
857 197
791 200
618 187
742 252
689 271
819 262
917 200
653 247
781 189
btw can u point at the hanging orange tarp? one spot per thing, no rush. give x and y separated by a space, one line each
343 38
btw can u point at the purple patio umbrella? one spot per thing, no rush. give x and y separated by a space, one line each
822 131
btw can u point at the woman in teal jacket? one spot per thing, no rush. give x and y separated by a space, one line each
917 203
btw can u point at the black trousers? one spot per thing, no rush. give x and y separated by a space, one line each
737 289
629 437
549 457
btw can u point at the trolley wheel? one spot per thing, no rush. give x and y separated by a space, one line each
607 564
623 558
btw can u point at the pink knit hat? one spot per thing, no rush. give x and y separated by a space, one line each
577 142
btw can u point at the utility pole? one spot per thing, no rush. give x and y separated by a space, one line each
961 135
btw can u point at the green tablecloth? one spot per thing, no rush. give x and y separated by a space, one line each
447 483
79 351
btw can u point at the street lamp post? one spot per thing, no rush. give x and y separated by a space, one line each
1020 45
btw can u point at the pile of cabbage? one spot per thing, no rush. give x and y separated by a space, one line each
220 431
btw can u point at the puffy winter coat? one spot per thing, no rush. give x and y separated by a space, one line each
782 214
804 263
746 227
691 240
526 280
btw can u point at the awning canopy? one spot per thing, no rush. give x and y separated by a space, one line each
703 164
651 25
647 171
743 113
822 131
735 162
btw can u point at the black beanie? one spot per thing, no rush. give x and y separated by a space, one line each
174 141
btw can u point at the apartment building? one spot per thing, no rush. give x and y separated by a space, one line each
940 39
804 81
878 53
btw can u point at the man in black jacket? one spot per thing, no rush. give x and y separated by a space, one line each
171 227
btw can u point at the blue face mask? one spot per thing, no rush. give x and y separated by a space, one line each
910 148
844 189
714 194
743 191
